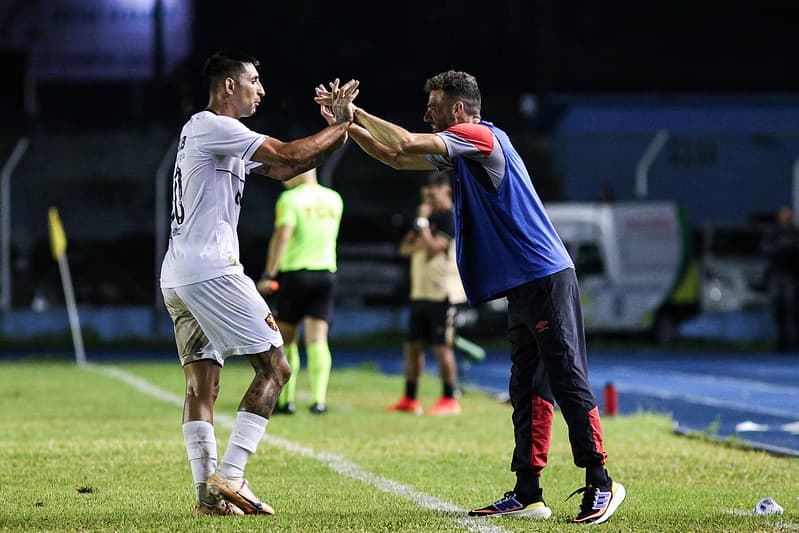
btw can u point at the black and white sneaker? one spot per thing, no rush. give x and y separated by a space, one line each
599 503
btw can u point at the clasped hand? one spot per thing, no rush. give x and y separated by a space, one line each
336 103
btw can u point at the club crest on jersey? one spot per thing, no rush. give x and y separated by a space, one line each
270 321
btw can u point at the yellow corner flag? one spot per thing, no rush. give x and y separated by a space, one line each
58 239
58 245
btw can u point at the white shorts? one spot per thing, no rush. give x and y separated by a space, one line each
220 317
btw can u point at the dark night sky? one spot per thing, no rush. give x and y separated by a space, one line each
512 46
525 44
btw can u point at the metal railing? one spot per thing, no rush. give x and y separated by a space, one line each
5 221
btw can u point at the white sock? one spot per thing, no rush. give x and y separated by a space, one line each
201 449
243 442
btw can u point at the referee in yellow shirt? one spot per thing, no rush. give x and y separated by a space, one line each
302 260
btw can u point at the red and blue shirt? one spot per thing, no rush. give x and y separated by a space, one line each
503 236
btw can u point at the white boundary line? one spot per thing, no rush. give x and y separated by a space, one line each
334 462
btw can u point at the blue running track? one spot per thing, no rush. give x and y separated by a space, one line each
751 397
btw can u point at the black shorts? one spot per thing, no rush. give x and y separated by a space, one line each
304 293
432 322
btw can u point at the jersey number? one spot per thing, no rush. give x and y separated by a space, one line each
178 214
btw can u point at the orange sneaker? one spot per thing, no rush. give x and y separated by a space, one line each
407 405
445 406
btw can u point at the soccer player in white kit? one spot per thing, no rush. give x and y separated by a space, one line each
215 308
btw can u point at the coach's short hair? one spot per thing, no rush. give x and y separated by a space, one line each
222 65
458 85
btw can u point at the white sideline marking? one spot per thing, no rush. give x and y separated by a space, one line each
334 462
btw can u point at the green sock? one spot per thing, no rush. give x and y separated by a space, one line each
319 362
287 395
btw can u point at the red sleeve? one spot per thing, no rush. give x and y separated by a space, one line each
478 135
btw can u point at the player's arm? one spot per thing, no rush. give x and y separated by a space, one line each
409 244
386 155
386 141
433 243
379 151
284 160
277 248
398 138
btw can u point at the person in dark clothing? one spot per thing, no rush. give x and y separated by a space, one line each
508 247
782 248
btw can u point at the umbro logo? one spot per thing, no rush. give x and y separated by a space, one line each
542 326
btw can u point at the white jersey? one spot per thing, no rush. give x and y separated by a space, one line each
213 159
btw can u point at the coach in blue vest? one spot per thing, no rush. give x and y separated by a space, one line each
508 247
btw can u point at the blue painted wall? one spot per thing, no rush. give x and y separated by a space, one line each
725 160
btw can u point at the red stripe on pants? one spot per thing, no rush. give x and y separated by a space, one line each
541 433
596 432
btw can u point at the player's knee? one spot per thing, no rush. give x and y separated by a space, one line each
272 366
282 371
278 372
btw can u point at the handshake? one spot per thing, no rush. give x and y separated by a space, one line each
336 103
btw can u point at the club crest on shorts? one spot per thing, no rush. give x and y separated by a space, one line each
270 321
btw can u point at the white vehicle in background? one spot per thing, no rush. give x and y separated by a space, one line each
633 264
732 268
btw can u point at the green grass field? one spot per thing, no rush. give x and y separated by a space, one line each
84 450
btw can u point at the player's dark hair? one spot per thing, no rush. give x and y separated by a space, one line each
222 65
459 86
